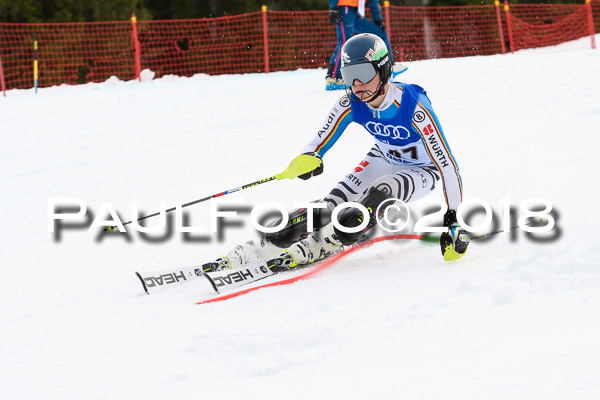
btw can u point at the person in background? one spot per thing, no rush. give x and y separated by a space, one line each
348 16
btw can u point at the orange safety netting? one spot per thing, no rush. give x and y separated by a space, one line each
596 13
67 53
228 45
535 25
442 32
299 39
76 53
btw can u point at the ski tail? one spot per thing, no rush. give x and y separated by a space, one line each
153 281
143 282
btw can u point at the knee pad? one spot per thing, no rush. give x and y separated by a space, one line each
352 217
297 226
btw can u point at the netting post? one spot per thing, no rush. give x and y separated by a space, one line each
509 29
265 38
499 17
386 13
588 4
2 76
136 43
35 63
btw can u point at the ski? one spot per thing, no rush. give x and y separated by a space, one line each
233 278
221 279
225 280
323 264
220 274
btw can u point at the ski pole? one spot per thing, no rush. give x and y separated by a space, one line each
337 59
536 222
249 185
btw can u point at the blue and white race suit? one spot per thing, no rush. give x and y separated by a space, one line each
410 153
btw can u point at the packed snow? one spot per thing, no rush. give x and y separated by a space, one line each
516 318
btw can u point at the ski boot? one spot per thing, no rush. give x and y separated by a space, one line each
247 254
335 84
314 248
398 68
283 262
219 264
251 253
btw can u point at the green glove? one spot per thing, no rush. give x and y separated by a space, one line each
304 166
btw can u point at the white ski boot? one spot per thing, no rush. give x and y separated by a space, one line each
243 255
315 247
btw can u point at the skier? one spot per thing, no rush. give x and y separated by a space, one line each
409 157
349 17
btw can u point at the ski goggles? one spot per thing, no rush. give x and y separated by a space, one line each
364 72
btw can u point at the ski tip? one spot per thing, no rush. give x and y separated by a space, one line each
143 283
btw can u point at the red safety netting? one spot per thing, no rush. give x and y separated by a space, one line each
67 53
299 39
231 45
537 25
442 32
596 13
227 45
268 41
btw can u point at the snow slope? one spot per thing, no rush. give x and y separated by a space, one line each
515 318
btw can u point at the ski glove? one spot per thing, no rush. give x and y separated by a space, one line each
335 15
380 24
304 166
454 243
